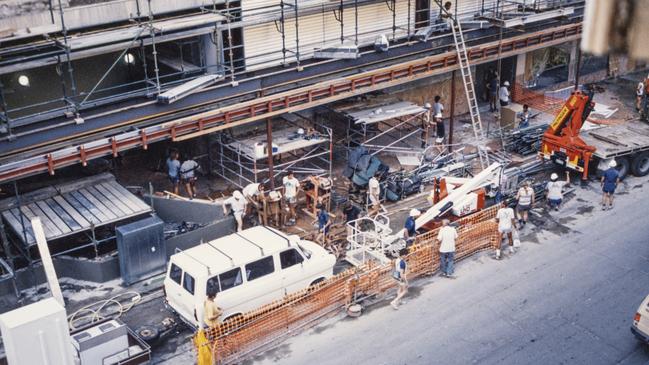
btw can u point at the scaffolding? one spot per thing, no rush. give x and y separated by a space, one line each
298 145
399 128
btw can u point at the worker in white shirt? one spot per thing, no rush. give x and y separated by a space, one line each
188 176
446 239
525 198
254 194
438 109
506 224
291 189
503 94
639 93
554 190
237 203
374 196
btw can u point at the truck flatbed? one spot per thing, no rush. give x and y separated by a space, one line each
618 140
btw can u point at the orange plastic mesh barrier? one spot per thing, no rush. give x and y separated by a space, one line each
242 336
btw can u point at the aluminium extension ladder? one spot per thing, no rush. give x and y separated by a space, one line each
469 89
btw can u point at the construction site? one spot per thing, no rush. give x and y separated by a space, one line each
324 181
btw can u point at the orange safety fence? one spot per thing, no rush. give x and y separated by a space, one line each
242 336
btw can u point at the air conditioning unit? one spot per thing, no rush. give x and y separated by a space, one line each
103 344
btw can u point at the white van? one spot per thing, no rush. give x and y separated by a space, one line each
640 326
248 269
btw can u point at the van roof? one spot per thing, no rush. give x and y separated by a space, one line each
232 250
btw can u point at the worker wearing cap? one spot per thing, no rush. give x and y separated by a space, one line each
503 94
610 180
554 190
506 220
410 227
254 194
237 203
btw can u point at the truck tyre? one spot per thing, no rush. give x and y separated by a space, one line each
640 164
623 166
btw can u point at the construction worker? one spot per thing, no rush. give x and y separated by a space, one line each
291 189
374 196
211 311
446 239
173 170
237 203
254 194
554 190
188 176
503 94
525 117
610 180
639 95
324 223
400 274
506 224
525 199
410 227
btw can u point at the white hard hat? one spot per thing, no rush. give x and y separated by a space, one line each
415 213
612 164
237 195
506 83
427 106
300 131
554 176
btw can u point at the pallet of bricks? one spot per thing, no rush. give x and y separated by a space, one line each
237 339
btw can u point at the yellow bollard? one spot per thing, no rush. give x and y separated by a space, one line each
203 348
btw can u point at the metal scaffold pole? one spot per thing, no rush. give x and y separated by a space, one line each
73 84
155 52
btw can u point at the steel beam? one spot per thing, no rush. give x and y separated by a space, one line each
286 102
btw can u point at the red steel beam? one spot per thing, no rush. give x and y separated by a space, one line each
289 101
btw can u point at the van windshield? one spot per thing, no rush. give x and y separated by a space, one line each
225 281
306 252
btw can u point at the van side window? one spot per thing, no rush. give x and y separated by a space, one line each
259 268
175 273
289 258
188 283
229 279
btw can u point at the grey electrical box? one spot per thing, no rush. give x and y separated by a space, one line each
141 247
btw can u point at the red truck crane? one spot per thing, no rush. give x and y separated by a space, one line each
567 145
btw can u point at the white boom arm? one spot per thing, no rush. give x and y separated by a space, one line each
455 195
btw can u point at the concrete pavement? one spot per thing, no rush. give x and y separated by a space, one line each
568 296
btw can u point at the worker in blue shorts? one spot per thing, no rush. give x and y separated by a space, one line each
610 179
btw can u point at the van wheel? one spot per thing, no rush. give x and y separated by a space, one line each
234 318
316 282
623 166
640 164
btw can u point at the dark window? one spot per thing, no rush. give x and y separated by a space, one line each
175 273
290 258
259 268
229 279
188 283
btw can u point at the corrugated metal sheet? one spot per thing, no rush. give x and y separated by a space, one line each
66 211
263 43
141 248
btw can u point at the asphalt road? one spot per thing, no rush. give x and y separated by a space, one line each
567 297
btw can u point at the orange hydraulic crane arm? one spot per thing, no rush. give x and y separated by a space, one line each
572 116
